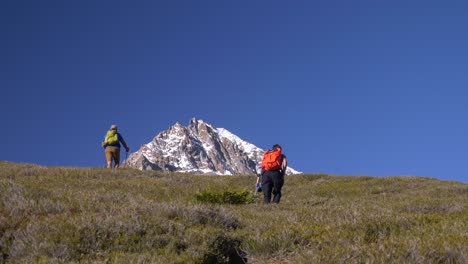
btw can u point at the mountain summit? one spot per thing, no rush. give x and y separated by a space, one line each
198 148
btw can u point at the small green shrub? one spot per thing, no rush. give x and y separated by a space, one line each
226 197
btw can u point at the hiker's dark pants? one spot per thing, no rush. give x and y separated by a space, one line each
272 181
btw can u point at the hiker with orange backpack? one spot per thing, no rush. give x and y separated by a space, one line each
274 166
111 143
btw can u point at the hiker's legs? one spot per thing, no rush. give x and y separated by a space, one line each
109 158
267 186
278 181
117 157
112 154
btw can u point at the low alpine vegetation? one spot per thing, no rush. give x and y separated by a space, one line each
226 197
82 215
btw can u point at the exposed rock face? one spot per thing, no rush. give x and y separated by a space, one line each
199 148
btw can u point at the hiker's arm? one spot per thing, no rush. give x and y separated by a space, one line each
284 165
121 139
125 145
103 143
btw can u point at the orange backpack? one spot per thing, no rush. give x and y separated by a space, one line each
272 159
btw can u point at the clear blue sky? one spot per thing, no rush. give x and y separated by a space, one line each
374 88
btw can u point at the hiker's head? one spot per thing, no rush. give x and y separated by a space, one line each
113 127
276 146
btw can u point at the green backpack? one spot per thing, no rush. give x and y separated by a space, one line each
112 138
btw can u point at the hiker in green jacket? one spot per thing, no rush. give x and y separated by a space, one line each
111 143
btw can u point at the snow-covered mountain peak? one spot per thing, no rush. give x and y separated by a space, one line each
198 148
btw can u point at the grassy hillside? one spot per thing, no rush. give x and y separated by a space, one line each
56 215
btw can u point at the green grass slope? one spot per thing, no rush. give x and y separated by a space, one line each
95 215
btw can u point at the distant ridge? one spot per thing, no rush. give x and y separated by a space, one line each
198 148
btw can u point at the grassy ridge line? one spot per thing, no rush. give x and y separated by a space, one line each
55 214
